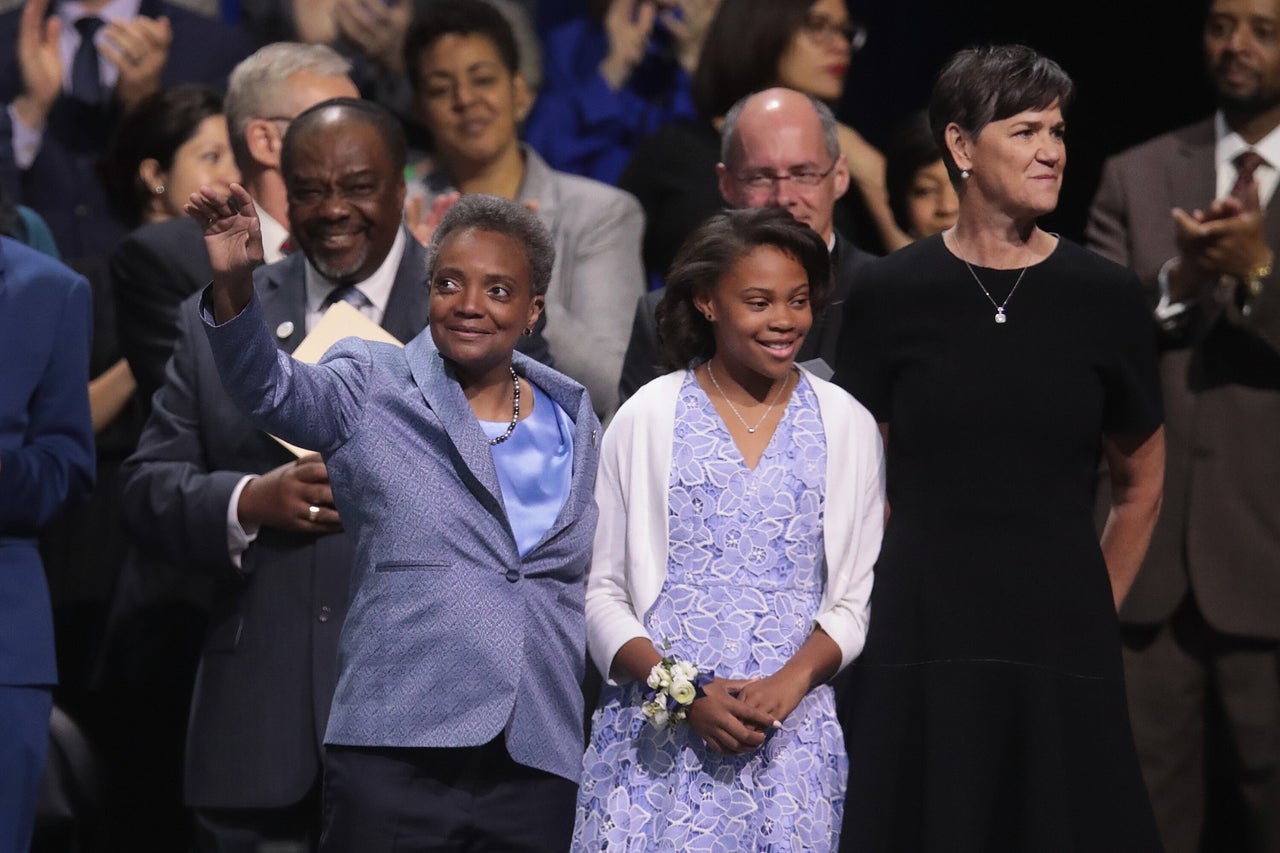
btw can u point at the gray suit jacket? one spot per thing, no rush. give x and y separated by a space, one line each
1219 530
452 637
598 274
268 668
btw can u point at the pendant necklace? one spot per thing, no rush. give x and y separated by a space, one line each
1001 317
750 429
515 407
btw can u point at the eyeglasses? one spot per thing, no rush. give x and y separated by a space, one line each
803 177
822 29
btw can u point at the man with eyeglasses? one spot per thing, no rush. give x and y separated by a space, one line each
779 148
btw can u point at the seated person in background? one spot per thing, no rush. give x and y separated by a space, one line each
159 265
67 79
751 45
614 75
46 463
924 202
779 149
464 68
465 475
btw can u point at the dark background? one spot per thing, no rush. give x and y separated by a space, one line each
1137 64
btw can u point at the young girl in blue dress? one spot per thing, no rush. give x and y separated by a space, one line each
741 507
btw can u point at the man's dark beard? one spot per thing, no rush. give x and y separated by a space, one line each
1250 105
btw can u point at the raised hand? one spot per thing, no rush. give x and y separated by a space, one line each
233 238
627 24
283 497
38 62
725 722
687 21
423 221
377 28
139 48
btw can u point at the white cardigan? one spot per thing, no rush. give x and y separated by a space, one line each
629 558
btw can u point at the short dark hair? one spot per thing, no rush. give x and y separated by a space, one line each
711 250
433 21
745 42
980 85
500 216
356 109
153 130
910 148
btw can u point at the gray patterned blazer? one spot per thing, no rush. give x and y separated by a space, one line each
451 636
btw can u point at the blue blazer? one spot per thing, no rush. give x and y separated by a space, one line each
451 637
46 441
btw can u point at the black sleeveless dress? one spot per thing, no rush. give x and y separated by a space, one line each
988 705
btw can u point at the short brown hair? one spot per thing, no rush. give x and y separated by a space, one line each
980 85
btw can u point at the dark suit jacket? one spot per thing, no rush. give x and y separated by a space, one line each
62 184
153 270
268 669
643 361
1219 530
46 441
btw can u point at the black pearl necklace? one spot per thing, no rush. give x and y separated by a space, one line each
515 409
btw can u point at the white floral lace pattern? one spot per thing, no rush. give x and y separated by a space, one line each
744 581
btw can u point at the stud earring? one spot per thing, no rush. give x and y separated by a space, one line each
964 174
159 189
528 331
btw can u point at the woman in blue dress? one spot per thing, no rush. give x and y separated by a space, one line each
741 507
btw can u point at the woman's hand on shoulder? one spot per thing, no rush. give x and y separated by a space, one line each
724 721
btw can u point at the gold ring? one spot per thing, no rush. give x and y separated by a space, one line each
313 512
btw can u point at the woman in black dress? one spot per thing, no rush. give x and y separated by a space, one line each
1001 361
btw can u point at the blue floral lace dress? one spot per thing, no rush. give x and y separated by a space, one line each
744 581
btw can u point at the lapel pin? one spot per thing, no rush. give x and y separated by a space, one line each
284 330
593 438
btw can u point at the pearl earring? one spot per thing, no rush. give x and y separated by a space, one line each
964 174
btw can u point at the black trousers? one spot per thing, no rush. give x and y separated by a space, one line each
468 800
295 828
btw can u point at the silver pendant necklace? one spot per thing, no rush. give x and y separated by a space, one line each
515 409
750 429
1001 317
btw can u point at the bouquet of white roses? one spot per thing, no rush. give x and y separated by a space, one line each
673 685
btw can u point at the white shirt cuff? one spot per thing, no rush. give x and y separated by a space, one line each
26 140
239 537
1167 309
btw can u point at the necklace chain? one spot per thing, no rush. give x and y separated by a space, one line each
1001 317
515 409
750 429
